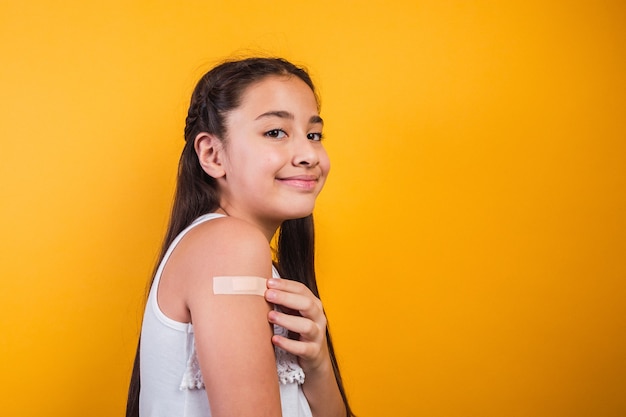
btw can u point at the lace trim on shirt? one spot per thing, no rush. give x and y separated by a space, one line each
289 371
192 379
287 367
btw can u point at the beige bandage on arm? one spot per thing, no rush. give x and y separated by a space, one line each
239 285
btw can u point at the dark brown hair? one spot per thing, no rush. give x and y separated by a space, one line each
219 91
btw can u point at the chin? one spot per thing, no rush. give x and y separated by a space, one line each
296 213
299 216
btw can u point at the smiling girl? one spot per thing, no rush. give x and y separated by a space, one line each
253 164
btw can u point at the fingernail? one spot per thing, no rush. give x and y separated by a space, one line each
270 295
272 282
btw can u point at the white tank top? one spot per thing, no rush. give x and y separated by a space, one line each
171 380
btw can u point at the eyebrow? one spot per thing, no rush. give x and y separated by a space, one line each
287 115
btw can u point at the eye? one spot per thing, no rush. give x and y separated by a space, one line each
276 133
315 136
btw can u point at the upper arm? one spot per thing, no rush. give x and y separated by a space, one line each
233 336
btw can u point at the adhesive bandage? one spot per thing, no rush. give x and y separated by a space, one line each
239 285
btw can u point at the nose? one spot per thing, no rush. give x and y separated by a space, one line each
305 153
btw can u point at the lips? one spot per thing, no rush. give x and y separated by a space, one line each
304 182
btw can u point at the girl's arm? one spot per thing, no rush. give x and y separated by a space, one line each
309 321
231 331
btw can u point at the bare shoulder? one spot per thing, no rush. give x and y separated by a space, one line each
223 246
226 246
230 230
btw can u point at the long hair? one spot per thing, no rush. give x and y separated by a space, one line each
219 91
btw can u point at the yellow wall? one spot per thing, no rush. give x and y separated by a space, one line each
472 236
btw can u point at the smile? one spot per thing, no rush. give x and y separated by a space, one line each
303 182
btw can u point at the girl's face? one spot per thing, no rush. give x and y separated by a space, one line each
274 162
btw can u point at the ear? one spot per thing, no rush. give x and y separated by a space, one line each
210 154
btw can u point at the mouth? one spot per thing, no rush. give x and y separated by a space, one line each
303 182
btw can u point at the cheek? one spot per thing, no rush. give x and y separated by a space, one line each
324 162
272 161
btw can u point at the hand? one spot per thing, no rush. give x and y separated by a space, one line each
302 314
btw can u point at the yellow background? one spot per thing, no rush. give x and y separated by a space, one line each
471 238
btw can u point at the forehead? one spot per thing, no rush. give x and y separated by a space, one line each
279 93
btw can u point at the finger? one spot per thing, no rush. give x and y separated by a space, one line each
307 306
308 329
304 350
288 286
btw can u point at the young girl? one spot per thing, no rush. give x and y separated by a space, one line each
253 164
